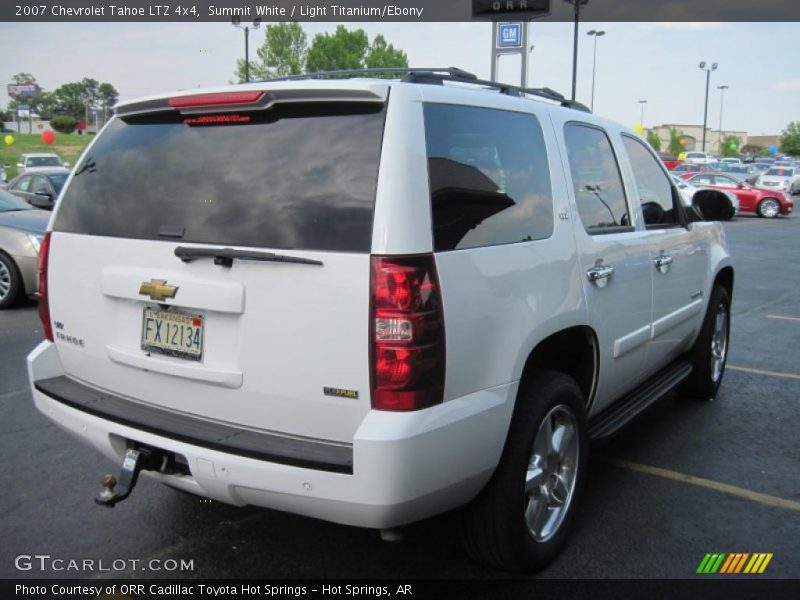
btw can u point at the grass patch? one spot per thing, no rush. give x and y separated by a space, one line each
67 145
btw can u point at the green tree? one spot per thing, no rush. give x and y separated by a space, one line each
675 141
382 54
654 140
344 49
107 95
283 53
730 145
69 99
790 140
753 149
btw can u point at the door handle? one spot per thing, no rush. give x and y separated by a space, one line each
600 275
662 263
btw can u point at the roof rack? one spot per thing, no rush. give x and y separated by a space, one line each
437 76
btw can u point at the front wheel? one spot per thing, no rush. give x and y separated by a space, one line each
521 519
769 208
710 352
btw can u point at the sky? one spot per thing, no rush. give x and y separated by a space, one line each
657 62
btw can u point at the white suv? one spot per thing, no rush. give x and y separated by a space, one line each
372 301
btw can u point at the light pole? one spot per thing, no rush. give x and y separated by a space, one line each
641 114
595 34
237 23
577 4
721 89
702 66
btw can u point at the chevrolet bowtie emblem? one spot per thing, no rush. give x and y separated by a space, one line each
158 289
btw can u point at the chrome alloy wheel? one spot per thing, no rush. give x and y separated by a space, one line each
770 208
719 343
552 473
5 280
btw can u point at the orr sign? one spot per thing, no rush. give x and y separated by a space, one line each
503 9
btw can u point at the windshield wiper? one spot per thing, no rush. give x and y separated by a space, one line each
224 256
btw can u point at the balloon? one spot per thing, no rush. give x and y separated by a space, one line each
48 137
9 139
638 128
773 149
733 146
682 142
682 156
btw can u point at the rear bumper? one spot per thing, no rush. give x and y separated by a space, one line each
403 467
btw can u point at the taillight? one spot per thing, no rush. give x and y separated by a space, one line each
44 305
407 333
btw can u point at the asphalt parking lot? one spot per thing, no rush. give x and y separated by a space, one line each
686 479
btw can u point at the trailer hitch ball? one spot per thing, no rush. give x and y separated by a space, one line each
135 460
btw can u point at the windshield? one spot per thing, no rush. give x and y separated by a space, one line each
9 202
781 172
43 161
297 176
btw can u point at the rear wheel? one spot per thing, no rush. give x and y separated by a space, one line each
10 282
769 208
710 352
521 520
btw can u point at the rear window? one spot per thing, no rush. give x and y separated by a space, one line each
489 178
291 177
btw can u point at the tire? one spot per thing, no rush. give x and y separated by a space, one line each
10 282
710 351
769 208
495 530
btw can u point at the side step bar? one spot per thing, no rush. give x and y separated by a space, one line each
619 414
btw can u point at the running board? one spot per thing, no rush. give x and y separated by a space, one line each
624 410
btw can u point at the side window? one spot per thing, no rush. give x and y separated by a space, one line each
596 179
489 179
725 181
655 189
23 184
39 185
702 180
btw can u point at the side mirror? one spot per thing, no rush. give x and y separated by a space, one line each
20 166
42 202
47 195
741 185
713 205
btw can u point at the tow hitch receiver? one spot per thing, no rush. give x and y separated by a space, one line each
136 460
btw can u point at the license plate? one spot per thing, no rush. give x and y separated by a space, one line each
173 332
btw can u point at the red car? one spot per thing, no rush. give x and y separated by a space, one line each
690 169
765 203
669 159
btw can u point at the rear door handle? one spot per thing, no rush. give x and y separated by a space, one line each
662 263
600 275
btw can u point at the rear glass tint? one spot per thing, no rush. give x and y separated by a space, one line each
292 177
489 178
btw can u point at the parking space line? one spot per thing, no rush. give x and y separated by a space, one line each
783 318
762 372
726 488
6 395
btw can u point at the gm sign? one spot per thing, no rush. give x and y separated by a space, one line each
509 35
498 9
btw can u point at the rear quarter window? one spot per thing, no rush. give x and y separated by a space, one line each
291 177
489 177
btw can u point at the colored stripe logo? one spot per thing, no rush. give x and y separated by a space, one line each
734 563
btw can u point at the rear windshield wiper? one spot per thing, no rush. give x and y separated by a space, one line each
224 256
